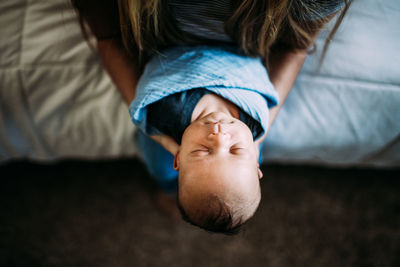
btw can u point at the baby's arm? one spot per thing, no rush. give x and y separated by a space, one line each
167 142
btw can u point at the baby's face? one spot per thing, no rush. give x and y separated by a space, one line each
218 135
218 156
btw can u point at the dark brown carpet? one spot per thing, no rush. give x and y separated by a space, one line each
101 214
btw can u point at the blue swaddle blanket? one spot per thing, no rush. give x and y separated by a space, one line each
240 79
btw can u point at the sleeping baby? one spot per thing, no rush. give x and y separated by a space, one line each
203 112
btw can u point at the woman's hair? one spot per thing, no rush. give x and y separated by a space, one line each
255 25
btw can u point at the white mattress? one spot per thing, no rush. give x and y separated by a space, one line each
56 101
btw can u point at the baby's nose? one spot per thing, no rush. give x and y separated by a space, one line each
218 134
216 128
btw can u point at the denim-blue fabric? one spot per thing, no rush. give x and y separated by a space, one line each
159 163
242 80
223 70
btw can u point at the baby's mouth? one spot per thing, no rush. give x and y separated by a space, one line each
221 121
217 117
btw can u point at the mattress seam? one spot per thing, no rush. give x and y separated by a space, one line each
326 78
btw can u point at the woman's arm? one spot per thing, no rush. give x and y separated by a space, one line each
284 66
287 57
102 18
285 61
125 74
123 70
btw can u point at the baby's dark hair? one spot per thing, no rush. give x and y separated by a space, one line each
219 220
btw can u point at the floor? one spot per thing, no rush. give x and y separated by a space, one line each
102 213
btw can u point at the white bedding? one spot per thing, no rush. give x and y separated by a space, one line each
56 101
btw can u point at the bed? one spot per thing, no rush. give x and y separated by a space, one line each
56 101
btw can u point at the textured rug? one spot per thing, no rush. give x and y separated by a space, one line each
76 213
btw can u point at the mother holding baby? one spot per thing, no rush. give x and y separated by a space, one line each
204 81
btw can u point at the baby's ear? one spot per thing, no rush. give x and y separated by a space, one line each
260 174
176 161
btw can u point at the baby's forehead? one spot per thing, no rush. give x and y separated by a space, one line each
223 165
242 197
229 175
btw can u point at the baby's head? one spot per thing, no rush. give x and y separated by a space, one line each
219 187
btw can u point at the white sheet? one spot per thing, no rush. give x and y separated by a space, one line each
56 100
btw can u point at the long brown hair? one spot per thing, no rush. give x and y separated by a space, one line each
255 25
147 26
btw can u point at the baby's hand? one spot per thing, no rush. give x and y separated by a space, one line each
167 142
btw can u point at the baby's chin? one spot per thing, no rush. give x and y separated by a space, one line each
217 116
